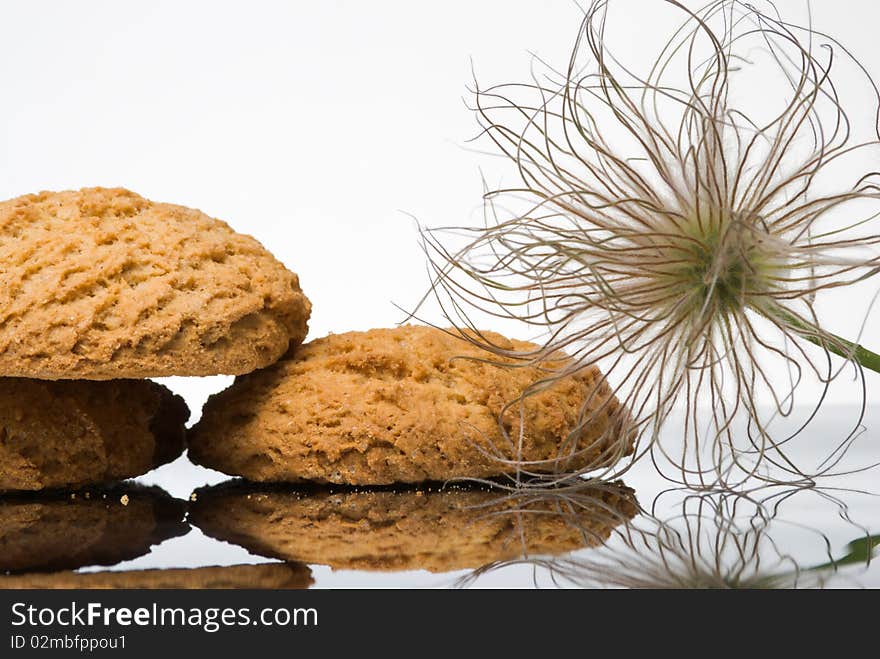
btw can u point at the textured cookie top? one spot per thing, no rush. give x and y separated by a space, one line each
381 530
405 405
284 576
68 530
101 283
76 432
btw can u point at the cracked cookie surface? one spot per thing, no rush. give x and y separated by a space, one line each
75 433
403 405
101 284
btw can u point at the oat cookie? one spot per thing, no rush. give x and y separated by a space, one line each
403 405
78 432
50 531
285 576
439 530
101 284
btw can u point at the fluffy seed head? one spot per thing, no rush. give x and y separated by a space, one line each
675 225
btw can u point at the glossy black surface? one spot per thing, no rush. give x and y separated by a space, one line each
819 534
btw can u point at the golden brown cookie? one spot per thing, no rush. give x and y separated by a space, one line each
101 284
403 405
74 433
437 530
283 576
67 530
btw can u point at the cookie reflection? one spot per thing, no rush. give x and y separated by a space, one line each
50 531
280 576
438 530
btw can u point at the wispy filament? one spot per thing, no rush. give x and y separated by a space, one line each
676 228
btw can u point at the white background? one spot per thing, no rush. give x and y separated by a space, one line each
315 126
318 127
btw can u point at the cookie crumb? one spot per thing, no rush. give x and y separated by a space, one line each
123 499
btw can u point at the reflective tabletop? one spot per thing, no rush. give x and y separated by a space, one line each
182 526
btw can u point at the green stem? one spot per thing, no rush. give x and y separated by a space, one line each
848 349
837 345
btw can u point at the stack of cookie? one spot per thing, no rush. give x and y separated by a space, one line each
103 289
